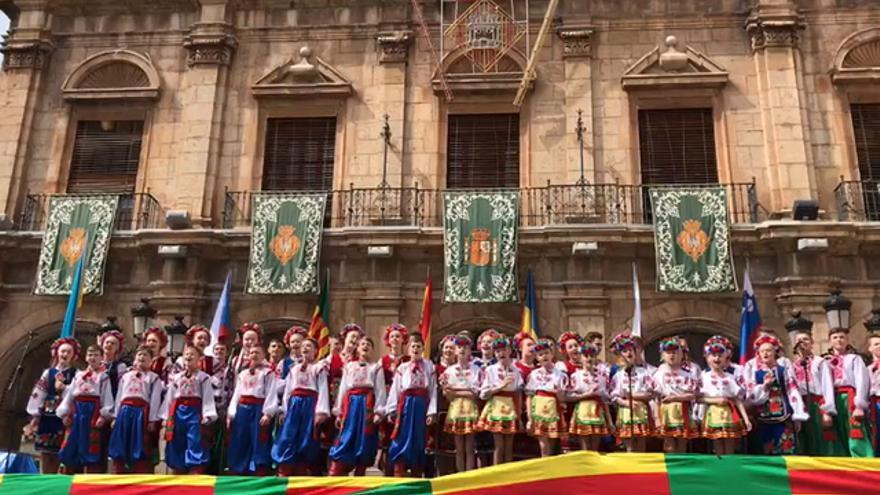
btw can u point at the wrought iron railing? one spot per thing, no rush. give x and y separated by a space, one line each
858 200
134 211
598 204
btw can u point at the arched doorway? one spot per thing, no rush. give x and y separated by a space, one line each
14 396
696 334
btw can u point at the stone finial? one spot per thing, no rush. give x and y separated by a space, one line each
393 46
673 60
576 42
304 70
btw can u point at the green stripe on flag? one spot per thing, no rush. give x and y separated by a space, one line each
34 484
239 485
729 475
405 488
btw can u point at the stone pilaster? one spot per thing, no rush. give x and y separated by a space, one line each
391 74
774 27
577 52
26 53
381 307
210 46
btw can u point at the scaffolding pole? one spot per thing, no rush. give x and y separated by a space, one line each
417 9
533 58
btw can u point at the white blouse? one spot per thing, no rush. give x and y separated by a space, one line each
723 385
814 378
642 383
37 400
302 377
409 376
850 371
88 383
196 385
543 380
362 375
143 385
669 382
759 393
259 382
494 376
457 377
588 383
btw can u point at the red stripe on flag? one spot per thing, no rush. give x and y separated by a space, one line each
138 489
641 483
834 482
326 490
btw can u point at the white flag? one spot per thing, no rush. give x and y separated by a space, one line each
636 330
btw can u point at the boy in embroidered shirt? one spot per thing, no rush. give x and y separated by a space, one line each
461 386
813 375
545 392
293 340
723 414
874 371
588 389
852 384
136 414
395 340
87 403
250 430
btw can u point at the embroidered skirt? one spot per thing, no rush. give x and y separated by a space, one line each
462 416
588 418
500 415
250 445
634 424
777 438
722 421
676 421
50 429
546 416
358 440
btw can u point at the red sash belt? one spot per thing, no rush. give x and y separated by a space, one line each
180 401
855 425
304 392
250 400
139 403
410 392
371 403
94 431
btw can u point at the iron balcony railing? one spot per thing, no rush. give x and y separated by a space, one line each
600 204
858 201
135 211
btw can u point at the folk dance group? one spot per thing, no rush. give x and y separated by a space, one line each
280 409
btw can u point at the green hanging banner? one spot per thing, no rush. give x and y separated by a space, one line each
76 225
286 243
480 246
692 240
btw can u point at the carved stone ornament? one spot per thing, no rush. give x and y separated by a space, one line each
393 46
857 60
210 45
674 67
310 77
26 54
774 32
113 75
576 42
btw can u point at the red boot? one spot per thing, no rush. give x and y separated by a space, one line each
197 470
400 470
285 470
338 469
360 471
117 467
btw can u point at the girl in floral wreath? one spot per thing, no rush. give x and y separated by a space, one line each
111 343
293 340
724 417
676 390
852 384
485 342
199 337
772 390
156 340
395 339
588 389
461 386
438 440
359 410
250 335
632 389
86 406
545 392
524 344
570 345
45 426
501 389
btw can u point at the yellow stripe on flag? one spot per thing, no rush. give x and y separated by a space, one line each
365 482
798 463
144 479
577 464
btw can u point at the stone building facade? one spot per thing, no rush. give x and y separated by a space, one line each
782 94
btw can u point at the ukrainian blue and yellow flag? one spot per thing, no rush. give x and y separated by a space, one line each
75 300
530 309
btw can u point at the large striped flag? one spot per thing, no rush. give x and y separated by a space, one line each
425 320
319 330
529 323
221 325
750 321
74 302
636 329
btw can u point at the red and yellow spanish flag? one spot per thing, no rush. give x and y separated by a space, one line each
425 321
318 329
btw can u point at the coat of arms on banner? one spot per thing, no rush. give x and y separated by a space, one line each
692 240
77 226
480 246
286 243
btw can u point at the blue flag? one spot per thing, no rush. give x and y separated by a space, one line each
750 322
530 310
75 301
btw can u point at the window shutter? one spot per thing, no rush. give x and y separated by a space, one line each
299 154
866 124
105 161
483 151
677 146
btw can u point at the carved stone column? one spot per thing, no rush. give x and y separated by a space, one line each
774 28
210 46
577 54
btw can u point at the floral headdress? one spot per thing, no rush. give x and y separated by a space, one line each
251 327
73 343
396 327
566 336
115 334
500 342
717 344
671 344
351 327
294 330
623 341
521 337
160 333
544 344
190 335
769 339
489 331
589 350
462 340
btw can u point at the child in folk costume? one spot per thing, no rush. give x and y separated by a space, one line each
293 340
84 410
501 389
851 391
677 389
411 407
111 343
772 388
632 388
199 337
461 386
439 440
156 340
690 367
570 345
304 406
813 375
874 370
545 391
350 335
188 407
724 416
275 355
588 389
251 335
250 430
524 344
485 342
136 412
395 340
359 410
46 427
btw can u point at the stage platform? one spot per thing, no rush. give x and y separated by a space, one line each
580 473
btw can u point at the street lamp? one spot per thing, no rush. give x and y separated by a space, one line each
837 311
141 316
872 324
109 325
176 334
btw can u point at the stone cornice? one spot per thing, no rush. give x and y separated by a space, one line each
576 41
774 30
393 46
27 54
210 44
